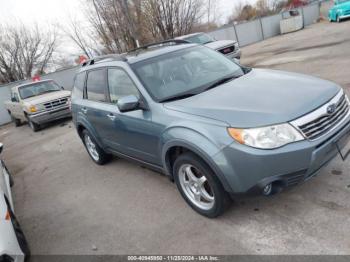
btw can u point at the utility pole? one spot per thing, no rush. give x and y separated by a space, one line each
209 13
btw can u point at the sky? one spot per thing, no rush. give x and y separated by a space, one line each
44 12
41 11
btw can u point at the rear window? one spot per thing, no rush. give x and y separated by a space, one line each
96 85
78 89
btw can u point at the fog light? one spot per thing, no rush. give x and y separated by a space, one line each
267 189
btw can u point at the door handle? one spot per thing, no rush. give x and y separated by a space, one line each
111 117
84 110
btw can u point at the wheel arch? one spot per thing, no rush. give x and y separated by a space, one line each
176 147
81 126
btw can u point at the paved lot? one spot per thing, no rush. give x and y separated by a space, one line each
68 205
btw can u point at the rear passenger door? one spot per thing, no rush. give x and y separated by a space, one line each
96 107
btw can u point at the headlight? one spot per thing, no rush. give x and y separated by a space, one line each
35 108
32 109
268 137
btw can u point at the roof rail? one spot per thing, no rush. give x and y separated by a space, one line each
160 44
110 57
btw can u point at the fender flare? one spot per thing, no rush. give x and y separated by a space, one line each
84 124
200 153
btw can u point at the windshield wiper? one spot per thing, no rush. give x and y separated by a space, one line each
221 81
48 91
177 97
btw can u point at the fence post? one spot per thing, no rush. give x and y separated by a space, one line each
262 29
234 29
302 14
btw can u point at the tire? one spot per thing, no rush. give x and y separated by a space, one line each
97 154
338 19
35 127
16 121
205 195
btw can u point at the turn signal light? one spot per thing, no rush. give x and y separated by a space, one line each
236 134
32 109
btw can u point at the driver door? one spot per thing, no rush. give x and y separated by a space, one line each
130 133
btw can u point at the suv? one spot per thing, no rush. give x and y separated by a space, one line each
38 103
213 126
228 48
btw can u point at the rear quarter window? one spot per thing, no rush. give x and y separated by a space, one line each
79 83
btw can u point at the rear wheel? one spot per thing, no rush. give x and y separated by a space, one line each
97 154
199 186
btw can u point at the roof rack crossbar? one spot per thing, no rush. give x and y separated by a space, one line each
162 43
113 57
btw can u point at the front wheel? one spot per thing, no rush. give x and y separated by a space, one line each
35 127
16 121
97 154
199 186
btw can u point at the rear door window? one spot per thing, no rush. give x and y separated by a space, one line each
96 85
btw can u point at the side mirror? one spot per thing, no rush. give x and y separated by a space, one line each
128 103
62 87
1 147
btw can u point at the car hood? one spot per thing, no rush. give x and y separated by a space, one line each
344 6
35 100
261 97
220 44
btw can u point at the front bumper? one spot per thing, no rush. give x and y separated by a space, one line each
48 116
344 16
248 169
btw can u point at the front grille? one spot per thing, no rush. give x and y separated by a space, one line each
324 123
56 103
227 50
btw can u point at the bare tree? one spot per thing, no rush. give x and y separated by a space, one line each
166 19
81 36
113 24
24 50
212 12
121 25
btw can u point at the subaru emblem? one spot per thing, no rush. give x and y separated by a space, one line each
331 109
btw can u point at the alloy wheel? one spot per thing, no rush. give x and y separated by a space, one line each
196 187
91 147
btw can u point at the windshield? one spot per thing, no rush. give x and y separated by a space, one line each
188 71
38 89
200 39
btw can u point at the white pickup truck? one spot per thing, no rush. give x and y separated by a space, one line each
38 103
